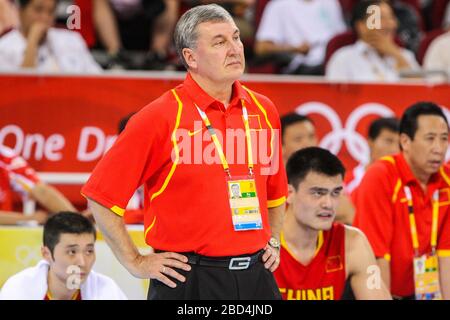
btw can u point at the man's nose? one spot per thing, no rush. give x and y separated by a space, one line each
439 146
327 202
234 47
81 260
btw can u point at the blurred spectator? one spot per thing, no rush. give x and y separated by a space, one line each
375 56
297 132
410 21
437 56
296 32
37 45
136 25
17 176
383 140
9 18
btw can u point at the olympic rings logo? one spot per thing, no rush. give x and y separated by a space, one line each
27 255
356 143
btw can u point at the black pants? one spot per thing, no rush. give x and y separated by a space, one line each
219 283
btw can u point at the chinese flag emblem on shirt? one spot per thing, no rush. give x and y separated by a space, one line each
333 264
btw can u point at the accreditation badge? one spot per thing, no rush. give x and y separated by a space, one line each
244 204
426 277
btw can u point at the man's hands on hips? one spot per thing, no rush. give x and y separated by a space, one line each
160 266
271 257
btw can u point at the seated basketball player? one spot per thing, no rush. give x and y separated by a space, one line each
317 254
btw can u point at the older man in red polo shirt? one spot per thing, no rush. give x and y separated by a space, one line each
188 148
403 205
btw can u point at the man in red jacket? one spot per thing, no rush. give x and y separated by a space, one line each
402 205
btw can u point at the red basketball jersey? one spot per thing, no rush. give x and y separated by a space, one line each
323 278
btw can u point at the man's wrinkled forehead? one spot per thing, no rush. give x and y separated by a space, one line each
214 29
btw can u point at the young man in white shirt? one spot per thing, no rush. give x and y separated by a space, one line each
300 31
37 45
375 56
66 271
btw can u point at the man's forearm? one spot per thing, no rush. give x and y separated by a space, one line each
113 229
268 47
276 218
50 198
12 218
30 56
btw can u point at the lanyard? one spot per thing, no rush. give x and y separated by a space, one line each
412 221
214 138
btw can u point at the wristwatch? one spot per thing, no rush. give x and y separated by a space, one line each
274 243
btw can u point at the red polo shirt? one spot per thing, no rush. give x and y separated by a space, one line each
382 213
165 146
352 180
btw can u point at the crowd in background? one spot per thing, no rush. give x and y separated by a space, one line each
309 37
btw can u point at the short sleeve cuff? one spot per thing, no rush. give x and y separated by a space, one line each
386 256
443 253
107 204
276 203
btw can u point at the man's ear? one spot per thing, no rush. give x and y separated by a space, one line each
291 194
190 58
370 142
405 141
46 254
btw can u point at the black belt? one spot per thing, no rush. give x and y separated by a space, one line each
232 263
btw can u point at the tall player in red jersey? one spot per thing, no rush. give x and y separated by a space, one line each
317 254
